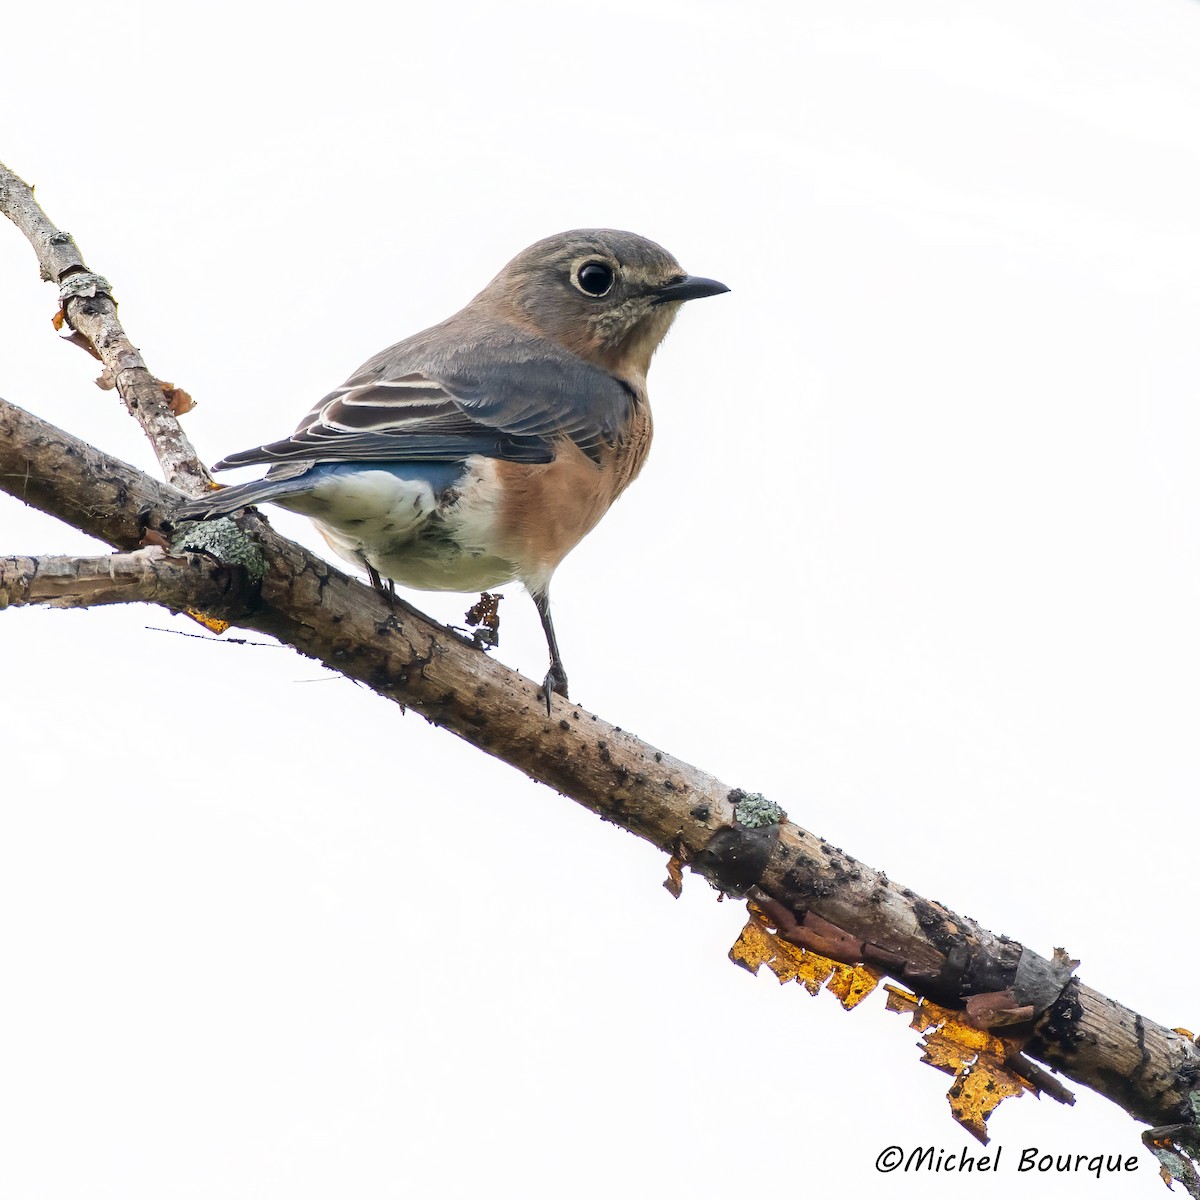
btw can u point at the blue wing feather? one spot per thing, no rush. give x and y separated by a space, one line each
502 392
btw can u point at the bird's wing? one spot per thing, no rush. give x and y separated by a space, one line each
503 394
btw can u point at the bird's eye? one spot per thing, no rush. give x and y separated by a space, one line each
595 278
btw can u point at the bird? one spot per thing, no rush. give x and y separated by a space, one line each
482 450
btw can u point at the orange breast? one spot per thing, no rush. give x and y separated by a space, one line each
547 508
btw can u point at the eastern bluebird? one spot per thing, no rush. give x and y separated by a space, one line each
482 450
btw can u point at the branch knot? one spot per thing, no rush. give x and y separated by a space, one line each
84 285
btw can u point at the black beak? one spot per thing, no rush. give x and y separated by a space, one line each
690 287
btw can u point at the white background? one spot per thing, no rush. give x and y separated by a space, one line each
915 554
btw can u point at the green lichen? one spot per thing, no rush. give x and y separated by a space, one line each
224 541
755 811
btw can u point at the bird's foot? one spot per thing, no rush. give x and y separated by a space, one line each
386 588
555 681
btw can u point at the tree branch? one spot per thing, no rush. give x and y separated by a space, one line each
817 897
89 308
812 892
147 576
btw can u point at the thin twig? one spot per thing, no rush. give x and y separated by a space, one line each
88 307
214 639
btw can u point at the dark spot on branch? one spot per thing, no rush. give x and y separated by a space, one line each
803 883
735 857
1140 1027
1060 1028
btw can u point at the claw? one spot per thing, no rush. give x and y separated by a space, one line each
386 590
555 681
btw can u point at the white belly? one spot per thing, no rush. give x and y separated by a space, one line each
397 526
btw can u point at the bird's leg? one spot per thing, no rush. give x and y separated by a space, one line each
556 677
387 591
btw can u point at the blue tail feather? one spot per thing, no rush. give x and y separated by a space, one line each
439 476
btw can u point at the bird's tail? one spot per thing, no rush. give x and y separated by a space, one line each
229 499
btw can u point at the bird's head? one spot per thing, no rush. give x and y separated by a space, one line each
606 295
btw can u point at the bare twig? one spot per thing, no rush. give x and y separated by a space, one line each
738 841
149 575
86 301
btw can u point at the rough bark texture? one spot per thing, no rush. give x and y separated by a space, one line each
245 573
